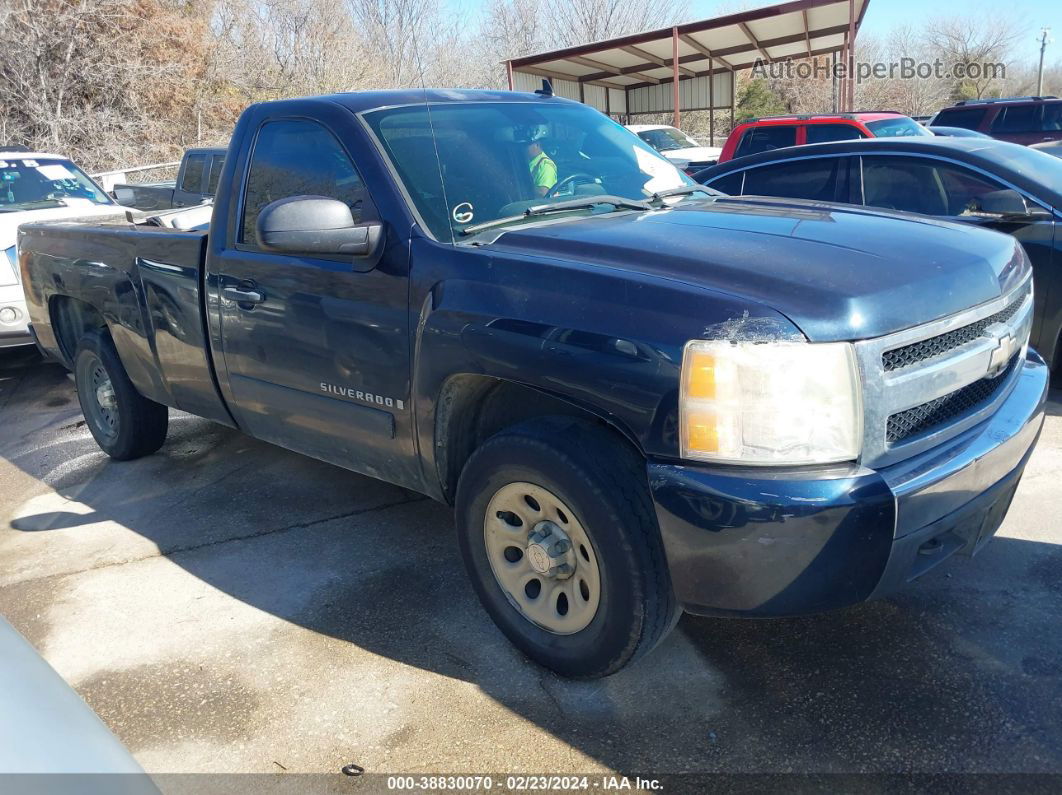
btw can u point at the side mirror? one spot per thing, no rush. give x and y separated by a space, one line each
1009 205
315 225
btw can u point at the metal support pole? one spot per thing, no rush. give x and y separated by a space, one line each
509 73
851 55
711 103
675 75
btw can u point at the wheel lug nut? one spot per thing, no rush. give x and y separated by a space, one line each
562 546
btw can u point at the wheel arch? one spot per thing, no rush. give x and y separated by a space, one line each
471 408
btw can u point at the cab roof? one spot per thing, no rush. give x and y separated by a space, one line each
362 101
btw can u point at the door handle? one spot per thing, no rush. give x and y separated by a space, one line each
242 296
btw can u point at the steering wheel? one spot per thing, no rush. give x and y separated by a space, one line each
568 180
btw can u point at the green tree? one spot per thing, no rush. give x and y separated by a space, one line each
756 99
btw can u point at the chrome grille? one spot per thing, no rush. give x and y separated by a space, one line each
927 384
919 352
920 419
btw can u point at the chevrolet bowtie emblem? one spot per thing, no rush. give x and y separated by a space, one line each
1006 347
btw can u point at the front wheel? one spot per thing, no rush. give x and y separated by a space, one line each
559 537
124 423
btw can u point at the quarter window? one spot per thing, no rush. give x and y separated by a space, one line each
731 184
967 118
813 178
295 157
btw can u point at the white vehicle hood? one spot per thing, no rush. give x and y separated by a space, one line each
76 210
694 154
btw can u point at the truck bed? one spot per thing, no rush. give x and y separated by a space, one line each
119 270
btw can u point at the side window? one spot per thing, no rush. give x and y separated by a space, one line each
824 133
812 178
731 184
764 139
217 163
1052 117
296 157
927 186
964 188
1019 119
967 118
194 168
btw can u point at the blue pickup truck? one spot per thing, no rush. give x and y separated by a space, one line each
639 397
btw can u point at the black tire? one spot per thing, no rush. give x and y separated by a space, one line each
139 425
604 482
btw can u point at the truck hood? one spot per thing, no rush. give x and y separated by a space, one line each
10 222
693 154
837 273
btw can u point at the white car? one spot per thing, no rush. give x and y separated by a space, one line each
677 147
35 186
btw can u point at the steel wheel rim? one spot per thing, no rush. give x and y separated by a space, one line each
101 399
522 523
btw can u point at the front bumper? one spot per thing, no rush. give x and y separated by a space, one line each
771 543
16 332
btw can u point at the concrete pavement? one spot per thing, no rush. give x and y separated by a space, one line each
226 605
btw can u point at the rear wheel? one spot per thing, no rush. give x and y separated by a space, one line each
124 423
559 537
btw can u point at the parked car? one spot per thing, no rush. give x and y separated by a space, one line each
36 186
1020 120
777 132
45 728
676 146
638 398
197 182
956 132
985 183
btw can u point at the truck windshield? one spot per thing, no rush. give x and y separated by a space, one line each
34 184
898 127
465 165
667 139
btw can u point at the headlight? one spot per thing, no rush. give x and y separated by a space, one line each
783 403
12 259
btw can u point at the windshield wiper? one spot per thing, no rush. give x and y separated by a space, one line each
685 190
589 203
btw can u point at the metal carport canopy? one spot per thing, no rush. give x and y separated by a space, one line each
697 61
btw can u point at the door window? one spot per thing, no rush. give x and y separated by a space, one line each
812 178
923 186
764 139
194 167
217 163
825 133
296 157
1019 119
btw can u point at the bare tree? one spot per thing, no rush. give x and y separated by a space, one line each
984 39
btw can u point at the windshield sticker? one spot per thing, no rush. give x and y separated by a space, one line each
3 164
55 171
464 213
